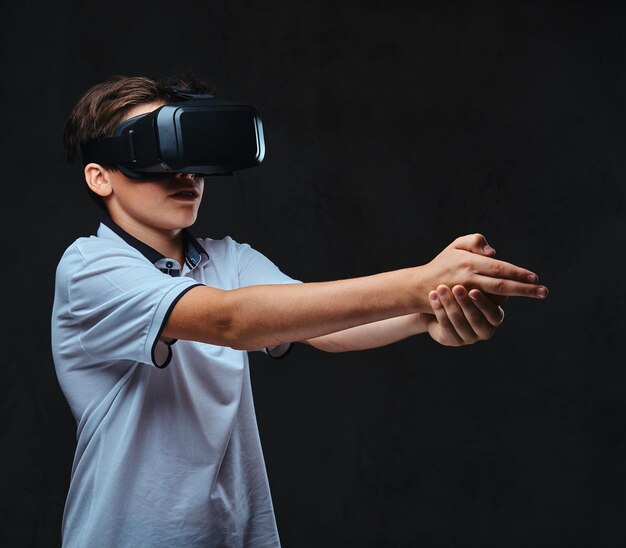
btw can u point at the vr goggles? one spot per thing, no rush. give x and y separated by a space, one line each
200 135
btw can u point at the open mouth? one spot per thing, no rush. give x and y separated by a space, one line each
188 194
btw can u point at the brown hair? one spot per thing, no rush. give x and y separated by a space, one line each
102 107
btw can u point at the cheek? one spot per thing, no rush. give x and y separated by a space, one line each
149 192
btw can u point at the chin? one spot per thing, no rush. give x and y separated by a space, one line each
185 221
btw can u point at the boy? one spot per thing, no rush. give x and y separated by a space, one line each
149 332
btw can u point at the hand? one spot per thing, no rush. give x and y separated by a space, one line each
468 262
459 320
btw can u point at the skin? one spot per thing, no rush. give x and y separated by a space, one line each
146 209
455 297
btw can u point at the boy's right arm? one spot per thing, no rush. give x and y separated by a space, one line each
269 315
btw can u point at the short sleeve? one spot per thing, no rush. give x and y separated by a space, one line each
254 268
120 302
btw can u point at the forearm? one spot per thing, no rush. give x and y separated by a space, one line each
372 335
269 315
263 316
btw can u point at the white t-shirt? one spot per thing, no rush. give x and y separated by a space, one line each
168 451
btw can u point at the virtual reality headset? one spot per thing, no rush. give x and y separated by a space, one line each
199 135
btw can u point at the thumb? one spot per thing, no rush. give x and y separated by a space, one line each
475 243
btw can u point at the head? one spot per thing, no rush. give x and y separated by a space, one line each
97 114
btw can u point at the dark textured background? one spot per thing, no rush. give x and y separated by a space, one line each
392 128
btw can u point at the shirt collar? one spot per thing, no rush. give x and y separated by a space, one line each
193 249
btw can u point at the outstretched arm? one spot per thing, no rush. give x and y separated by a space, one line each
456 320
263 316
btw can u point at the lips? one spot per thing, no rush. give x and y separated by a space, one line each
189 193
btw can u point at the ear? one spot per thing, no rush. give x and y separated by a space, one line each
98 179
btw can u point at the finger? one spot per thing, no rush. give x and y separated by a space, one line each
478 323
442 318
495 268
510 288
457 315
476 243
489 309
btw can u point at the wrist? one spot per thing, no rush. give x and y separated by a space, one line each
421 287
420 322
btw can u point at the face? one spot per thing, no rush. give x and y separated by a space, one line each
164 205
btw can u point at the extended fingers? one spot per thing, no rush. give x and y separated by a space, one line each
495 276
511 288
496 268
502 278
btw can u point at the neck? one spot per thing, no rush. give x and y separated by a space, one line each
168 242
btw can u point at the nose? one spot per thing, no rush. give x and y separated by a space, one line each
186 176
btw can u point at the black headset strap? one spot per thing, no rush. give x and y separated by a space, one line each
110 150
120 150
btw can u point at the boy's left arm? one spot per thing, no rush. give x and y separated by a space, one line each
457 320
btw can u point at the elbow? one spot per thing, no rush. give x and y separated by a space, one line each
233 337
214 316
228 334
239 343
232 333
236 330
